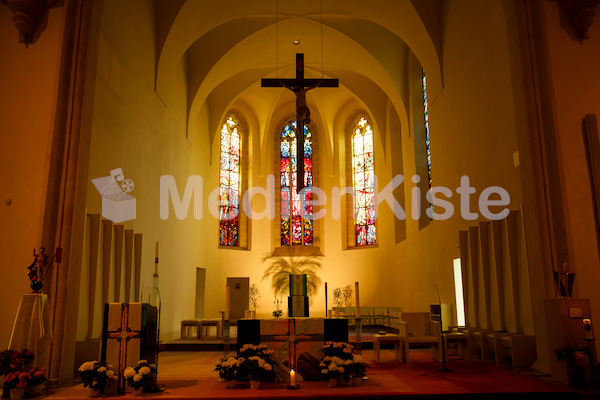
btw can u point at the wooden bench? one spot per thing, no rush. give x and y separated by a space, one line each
205 324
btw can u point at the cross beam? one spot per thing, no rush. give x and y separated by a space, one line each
300 86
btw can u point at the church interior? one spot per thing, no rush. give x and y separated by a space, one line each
451 158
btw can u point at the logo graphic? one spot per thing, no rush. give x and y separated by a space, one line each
117 204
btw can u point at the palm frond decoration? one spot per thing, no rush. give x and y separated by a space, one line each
281 267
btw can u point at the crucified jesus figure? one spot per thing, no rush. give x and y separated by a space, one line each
300 86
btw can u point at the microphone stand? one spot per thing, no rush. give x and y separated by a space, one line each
443 369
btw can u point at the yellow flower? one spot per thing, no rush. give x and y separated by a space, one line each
137 377
144 371
129 372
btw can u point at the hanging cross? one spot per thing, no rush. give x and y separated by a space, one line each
300 86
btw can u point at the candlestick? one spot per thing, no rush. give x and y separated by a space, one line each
357 302
292 378
227 301
253 314
157 249
329 313
247 314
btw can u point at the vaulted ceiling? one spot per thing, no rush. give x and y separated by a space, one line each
227 46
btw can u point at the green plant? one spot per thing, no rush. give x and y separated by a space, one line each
254 296
96 375
281 268
337 297
347 295
139 375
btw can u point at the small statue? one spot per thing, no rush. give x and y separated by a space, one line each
36 269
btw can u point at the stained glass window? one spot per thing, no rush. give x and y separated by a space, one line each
426 114
296 210
229 175
363 178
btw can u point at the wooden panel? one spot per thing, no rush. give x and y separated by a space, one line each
128 263
484 248
473 268
119 234
513 262
94 250
107 233
497 247
463 243
138 265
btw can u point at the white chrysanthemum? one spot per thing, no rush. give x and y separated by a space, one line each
137 377
110 374
267 367
144 371
87 366
142 362
102 369
341 369
129 372
324 371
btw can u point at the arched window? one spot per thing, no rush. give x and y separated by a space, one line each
230 183
363 180
296 211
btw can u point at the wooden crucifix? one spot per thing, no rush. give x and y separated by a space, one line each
300 86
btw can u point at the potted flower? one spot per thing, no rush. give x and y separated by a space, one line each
258 369
14 361
578 365
141 376
16 383
36 383
357 369
229 370
333 368
97 377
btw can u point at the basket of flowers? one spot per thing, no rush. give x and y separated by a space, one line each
229 370
36 382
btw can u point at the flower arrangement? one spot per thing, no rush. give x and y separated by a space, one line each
340 360
333 367
258 363
577 359
358 366
17 380
14 361
96 375
139 375
38 376
229 368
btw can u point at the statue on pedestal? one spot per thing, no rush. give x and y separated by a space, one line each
36 269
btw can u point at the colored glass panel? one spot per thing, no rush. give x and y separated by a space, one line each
230 184
296 210
363 178
427 142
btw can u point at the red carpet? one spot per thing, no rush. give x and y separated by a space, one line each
419 379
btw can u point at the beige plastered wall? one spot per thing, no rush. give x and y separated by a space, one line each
28 86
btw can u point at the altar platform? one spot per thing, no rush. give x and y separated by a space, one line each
190 375
213 343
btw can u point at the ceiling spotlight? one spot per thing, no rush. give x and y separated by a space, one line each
296 42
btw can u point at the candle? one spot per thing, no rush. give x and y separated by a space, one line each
253 313
326 297
157 249
227 301
292 378
246 314
329 314
357 302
